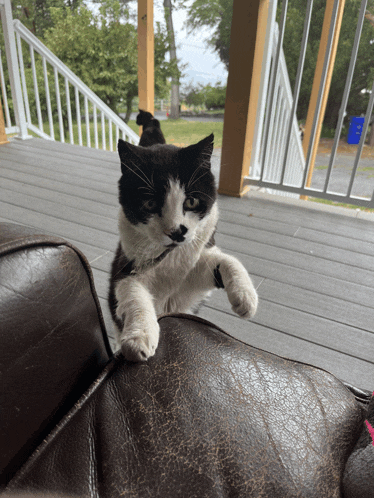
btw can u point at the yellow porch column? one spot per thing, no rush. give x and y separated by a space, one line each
317 81
146 83
3 137
248 31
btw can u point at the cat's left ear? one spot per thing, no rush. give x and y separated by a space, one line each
200 152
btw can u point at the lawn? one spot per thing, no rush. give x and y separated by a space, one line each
182 133
176 131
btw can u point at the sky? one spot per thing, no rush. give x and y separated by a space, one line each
204 64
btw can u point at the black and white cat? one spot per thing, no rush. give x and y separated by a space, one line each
166 260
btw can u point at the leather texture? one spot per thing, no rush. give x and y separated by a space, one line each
53 339
359 471
207 416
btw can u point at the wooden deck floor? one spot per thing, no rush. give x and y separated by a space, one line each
314 269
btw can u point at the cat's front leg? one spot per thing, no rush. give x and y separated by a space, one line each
140 334
238 285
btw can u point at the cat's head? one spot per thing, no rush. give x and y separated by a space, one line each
165 191
143 118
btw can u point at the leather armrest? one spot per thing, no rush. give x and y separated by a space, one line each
207 416
53 339
359 471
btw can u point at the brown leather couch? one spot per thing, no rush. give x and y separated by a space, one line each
208 416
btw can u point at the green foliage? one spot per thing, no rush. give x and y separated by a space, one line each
211 97
194 95
215 96
101 50
215 14
364 71
99 46
36 14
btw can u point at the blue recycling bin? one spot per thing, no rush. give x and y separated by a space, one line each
356 123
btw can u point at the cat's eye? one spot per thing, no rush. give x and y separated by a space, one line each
150 205
191 203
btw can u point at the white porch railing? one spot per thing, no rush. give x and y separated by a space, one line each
266 160
277 162
64 109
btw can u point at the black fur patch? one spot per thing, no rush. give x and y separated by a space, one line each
121 268
152 133
218 278
146 172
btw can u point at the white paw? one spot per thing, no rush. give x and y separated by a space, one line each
139 342
243 299
239 287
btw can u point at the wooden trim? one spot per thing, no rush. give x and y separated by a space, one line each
146 82
317 81
3 137
248 32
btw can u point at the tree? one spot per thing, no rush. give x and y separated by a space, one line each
194 95
215 96
99 46
102 50
212 97
215 14
174 102
364 70
36 14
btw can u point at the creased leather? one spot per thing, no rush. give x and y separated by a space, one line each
53 341
207 416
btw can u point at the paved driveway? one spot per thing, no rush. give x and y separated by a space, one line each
363 185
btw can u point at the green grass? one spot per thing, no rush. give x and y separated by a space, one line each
176 131
182 132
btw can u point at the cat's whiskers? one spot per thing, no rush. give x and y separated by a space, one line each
148 180
196 179
147 189
193 176
205 165
144 178
202 193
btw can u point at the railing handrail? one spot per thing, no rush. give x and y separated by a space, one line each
39 47
31 39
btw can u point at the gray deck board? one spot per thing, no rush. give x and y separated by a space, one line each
314 269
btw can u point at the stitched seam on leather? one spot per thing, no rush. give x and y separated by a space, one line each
65 421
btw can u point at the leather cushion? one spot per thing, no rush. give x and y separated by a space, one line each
53 340
359 471
207 416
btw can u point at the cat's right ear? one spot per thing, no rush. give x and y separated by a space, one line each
128 155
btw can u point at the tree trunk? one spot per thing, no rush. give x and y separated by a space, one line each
174 104
129 99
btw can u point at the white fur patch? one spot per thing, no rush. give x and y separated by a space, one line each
183 278
172 211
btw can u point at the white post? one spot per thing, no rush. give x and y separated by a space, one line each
261 106
13 69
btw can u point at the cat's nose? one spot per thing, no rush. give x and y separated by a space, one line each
178 234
